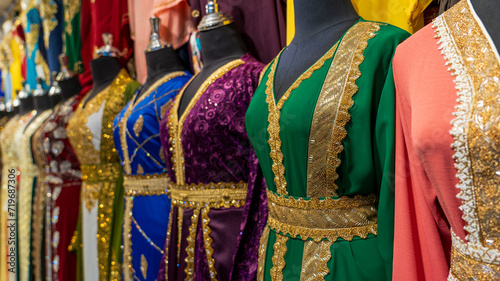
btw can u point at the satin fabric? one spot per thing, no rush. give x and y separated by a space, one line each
97 19
366 159
140 31
150 213
90 134
36 64
64 184
52 15
72 31
216 150
426 202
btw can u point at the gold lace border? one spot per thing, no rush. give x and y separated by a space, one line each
323 219
464 267
317 235
327 203
104 172
144 185
212 195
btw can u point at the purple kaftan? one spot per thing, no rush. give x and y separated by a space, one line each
213 171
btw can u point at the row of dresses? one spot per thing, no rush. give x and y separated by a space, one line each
173 197
242 186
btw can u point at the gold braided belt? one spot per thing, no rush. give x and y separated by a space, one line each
144 185
211 195
320 219
103 172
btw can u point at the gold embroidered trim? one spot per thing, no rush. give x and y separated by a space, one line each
71 8
275 113
332 110
318 224
317 235
138 125
262 253
32 38
191 239
466 267
48 11
167 242
39 60
176 124
123 122
80 136
278 258
98 173
314 260
366 30
108 265
474 62
180 221
128 270
29 171
208 243
146 185
208 195
327 203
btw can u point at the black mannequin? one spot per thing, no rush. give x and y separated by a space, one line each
487 10
218 46
27 105
319 24
42 103
41 98
104 70
160 63
70 87
55 99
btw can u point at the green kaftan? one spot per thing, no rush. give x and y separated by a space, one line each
365 154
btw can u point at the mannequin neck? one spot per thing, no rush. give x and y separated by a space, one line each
42 103
104 70
160 63
70 87
55 99
315 16
487 11
27 105
221 44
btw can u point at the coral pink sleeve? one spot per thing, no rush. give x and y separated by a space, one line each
426 203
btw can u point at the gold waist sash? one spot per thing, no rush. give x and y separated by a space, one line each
320 219
469 261
103 172
212 195
144 185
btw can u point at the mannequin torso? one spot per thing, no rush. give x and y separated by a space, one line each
42 103
104 70
318 25
55 99
487 10
70 87
160 63
218 46
26 105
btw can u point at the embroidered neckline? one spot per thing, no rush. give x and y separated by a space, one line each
275 113
176 124
127 163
